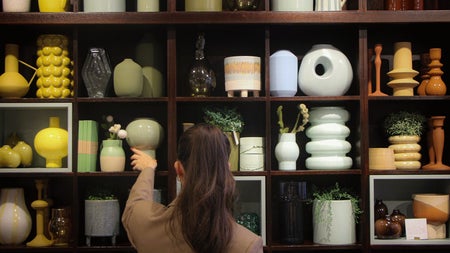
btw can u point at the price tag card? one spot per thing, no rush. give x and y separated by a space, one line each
416 229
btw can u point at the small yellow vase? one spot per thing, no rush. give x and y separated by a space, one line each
52 143
52 5
25 152
12 83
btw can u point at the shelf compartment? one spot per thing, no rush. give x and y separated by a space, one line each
252 199
27 119
396 192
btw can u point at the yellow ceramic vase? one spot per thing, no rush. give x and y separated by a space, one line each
52 143
52 5
12 83
54 67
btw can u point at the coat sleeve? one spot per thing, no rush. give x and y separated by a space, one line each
142 190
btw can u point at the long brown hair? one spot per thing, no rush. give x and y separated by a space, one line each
206 200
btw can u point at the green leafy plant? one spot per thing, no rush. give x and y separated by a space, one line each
227 119
404 123
302 113
337 192
100 193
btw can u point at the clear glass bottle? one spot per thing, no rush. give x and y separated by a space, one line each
201 77
60 226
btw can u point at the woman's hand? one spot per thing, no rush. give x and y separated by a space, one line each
141 160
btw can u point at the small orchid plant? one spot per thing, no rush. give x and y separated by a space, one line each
114 131
302 112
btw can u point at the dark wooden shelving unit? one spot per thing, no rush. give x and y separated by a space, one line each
260 32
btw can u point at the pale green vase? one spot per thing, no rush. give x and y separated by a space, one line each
128 79
112 156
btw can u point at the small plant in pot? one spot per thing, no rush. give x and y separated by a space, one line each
404 130
230 121
404 123
102 215
335 214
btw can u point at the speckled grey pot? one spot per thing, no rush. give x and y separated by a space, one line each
102 218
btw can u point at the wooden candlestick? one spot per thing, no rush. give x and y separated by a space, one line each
377 92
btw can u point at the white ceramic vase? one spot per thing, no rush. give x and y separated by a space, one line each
328 147
145 134
337 73
333 222
287 152
283 73
15 219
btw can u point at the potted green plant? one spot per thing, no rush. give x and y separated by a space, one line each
404 130
335 214
101 215
404 123
231 122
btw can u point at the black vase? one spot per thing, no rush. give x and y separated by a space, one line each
292 199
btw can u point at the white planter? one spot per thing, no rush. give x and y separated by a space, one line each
242 74
251 154
104 6
292 5
333 222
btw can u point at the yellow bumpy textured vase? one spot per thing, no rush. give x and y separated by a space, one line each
52 143
55 68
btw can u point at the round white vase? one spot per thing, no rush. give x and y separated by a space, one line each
328 147
287 152
283 74
145 134
15 219
334 80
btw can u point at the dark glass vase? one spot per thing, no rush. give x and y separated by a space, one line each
201 77
292 199
381 209
386 228
396 215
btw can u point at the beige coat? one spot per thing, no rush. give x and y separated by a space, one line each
146 223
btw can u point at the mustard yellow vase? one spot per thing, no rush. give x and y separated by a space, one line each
52 143
12 83
55 68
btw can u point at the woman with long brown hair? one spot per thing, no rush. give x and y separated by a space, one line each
200 218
